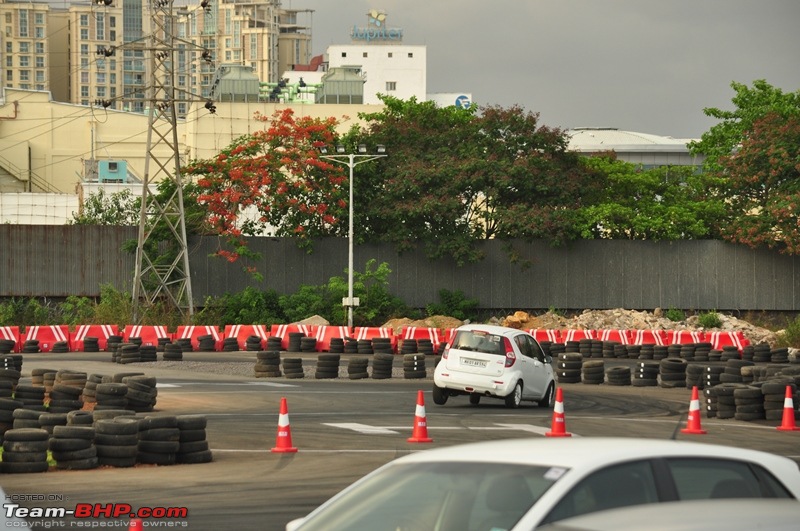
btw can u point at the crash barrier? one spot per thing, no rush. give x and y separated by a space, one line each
46 336
208 337
192 335
99 332
150 335
10 337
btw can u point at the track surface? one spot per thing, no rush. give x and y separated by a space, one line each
342 429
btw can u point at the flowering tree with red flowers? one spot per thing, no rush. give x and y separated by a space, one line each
272 181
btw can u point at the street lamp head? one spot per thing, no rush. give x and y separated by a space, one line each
362 149
323 150
340 149
380 149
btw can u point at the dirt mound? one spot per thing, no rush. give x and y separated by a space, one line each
434 321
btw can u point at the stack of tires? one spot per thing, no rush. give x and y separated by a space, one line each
672 373
294 342
592 372
336 346
91 344
172 352
749 403
65 398
193 447
148 353
274 343
6 346
205 343
142 393
414 366
726 402
110 395
308 344
293 368
48 421
695 375
128 353
73 447
268 364
774 395
117 441
30 346
618 376
357 368
230 344
25 451
382 366
381 345
408 346
252 344
425 346
26 418
60 347
31 396
327 366
159 440
568 367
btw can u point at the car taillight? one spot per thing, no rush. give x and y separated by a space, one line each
446 351
510 356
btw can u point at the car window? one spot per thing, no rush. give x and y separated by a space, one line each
614 486
701 479
478 341
524 345
538 353
442 495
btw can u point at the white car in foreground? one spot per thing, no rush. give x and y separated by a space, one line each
526 483
494 361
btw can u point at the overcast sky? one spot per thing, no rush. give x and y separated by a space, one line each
638 65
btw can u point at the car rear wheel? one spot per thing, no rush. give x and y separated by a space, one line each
514 398
439 395
474 399
549 398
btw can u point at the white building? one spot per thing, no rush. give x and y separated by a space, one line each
649 151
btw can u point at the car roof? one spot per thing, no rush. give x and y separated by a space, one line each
708 515
586 452
492 329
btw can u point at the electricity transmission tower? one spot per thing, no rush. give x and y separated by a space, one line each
162 273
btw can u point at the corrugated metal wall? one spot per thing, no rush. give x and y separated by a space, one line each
56 261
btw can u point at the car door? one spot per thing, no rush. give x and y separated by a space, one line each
533 371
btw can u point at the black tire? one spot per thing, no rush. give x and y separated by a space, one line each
24 457
474 399
159 447
60 444
79 464
116 440
117 462
75 455
193 435
191 447
160 434
440 395
117 452
549 398
514 398
24 468
154 458
195 457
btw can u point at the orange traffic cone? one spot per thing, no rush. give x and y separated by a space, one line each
693 422
136 525
787 424
283 442
558 428
420 433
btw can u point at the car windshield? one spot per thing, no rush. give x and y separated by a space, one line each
446 496
478 341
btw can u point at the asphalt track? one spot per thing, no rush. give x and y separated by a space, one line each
342 429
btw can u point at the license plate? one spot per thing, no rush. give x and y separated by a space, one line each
473 363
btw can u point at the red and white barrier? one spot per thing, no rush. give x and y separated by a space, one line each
648 337
47 335
11 333
242 332
369 332
148 334
681 337
283 330
719 340
101 332
324 334
546 334
421 332
576 334
192 332
620 336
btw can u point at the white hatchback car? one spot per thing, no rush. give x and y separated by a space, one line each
494 361
521 484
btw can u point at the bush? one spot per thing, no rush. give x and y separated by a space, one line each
454 304
709 320
790 336
115 307
250 306
675 315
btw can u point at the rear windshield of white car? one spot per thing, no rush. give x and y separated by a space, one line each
478 341
446 495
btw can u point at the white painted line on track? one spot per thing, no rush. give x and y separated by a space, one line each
362 428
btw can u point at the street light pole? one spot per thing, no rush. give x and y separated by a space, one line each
350 161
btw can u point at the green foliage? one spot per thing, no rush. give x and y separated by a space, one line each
709 319
454 304
25 312
790 337
77 310
115 307
675 315
376 303
250 306
99 208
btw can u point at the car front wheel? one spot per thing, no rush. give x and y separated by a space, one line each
514 399
439 395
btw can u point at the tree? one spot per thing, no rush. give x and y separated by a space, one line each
116 208
666 203
751 104
274 181
455 176
764 184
